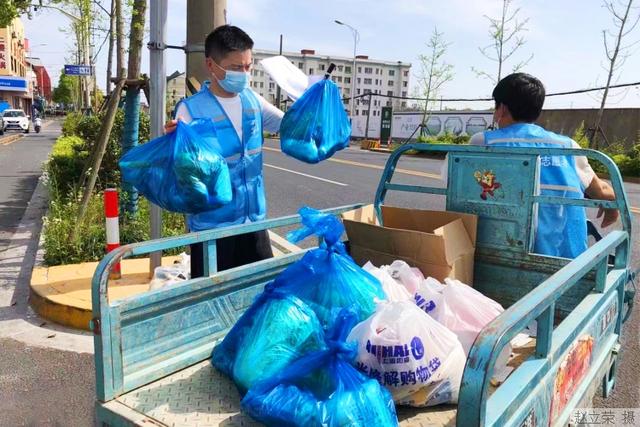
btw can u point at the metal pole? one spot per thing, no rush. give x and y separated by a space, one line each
366 129
202 17
352 101
278 87
157 103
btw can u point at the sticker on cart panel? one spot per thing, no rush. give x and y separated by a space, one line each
487 181
570 374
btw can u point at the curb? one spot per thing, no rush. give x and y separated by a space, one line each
65 315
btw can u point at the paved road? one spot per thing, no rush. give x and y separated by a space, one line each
43 386
20 168
38 386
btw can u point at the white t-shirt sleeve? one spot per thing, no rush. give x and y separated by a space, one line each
477 139
183 114
583 168
271 115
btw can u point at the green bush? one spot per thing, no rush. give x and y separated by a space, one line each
65 164
90 241
65 169
70 124
445 138
628 161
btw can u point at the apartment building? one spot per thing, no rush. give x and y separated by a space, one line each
15 83
176 90
371 76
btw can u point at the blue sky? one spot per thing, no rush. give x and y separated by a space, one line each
564 36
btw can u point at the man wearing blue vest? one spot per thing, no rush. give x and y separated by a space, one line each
561 230
240 115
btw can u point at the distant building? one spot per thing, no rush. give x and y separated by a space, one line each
176 90
15 83
371 75
43 81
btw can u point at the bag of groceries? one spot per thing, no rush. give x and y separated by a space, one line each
416 358
181 171
316 125
323 389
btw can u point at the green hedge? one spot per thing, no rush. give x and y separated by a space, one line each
627 160
71 151
65 164
64 168
90 241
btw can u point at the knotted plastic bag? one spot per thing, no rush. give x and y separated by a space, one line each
323 389
180 171
416 358
316 125
327 278
276 330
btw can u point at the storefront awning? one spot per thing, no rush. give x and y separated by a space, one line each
14 84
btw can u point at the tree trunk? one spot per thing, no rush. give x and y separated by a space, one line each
612 64
130 128
112 40
119 40
90 174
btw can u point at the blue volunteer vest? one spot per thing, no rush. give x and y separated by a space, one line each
243 157
561 230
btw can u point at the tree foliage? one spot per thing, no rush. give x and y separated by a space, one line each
10 9
63 93
506 39
435 72
625 19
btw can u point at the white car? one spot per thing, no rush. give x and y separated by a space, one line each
15 120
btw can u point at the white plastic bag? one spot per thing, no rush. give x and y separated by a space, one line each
428 295
408 276
169 275
393 290
465 312
419 361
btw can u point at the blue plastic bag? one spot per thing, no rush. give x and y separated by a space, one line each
312 290
323 389
276 330
316 125
327 278
180 171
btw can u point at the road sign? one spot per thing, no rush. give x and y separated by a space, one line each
385 124
77 70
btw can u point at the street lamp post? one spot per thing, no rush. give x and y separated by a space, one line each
356 38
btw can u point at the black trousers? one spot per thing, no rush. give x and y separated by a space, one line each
233 251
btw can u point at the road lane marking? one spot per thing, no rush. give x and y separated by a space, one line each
10 139
308 176
633 209
378 167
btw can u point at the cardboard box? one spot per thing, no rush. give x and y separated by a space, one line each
441 244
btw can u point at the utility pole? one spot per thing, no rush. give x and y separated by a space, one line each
203 16
157 91
278 86
112 42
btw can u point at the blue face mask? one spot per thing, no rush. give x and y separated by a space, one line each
234 81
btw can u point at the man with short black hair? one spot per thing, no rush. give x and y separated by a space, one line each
240 115
561 230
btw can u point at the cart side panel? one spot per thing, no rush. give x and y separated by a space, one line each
507 282
547 391
161 332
